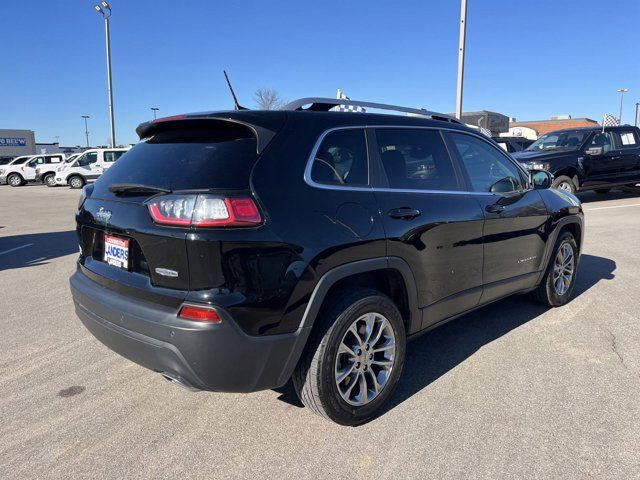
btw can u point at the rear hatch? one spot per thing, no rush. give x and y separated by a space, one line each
136 219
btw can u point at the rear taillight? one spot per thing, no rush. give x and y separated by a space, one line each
204 210
200 314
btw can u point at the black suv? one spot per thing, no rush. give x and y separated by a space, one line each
587 158
234 251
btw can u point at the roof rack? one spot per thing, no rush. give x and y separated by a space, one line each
320 104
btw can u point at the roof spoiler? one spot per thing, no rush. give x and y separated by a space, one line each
263 135
321 104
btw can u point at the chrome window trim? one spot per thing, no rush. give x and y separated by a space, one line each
316 147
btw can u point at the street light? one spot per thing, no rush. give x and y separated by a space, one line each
105 11
86 128
636 122
154 109
622 91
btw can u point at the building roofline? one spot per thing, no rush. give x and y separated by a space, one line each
559 120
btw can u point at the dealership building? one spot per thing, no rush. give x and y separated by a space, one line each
14 143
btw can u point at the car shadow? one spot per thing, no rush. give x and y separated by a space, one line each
591 196
35 249
440 350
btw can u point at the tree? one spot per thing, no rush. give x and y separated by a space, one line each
268 99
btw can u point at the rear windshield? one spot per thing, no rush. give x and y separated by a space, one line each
220 156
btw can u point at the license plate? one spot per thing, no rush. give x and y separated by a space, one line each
116 251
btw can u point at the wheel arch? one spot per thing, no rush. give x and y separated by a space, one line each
400 283
571 172
572 224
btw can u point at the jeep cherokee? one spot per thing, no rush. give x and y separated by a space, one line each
234 251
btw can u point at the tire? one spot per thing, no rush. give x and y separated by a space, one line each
15 180
548 292
602 191
50 180
315 378
76 182
563 182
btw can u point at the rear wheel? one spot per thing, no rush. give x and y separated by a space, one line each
565 183
15 180
76 182
354 359
560 277
602 190
50 180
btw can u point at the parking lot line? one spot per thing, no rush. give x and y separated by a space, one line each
614 206
16 248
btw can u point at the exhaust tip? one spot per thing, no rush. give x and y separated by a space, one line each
178 381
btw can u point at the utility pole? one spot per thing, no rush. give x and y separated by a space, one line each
636 122
463 39
86 128
106 14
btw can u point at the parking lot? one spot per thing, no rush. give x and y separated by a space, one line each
510 391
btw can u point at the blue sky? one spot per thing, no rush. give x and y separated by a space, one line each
529 60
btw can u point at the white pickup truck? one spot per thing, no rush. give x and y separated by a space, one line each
23 169
87 167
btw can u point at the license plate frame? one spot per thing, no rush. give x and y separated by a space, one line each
116 251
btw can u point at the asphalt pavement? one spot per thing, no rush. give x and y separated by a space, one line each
513 390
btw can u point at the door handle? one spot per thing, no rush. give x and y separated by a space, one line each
404 213
495 208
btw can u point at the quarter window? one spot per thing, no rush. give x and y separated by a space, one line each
487 168
415 159
342 159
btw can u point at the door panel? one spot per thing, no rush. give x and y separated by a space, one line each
605 168
515 217
629 144
428 222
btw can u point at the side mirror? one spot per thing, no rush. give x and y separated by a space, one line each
540 179
594 151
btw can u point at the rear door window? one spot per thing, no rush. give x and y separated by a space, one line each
184 158
342 159
628 139
415 159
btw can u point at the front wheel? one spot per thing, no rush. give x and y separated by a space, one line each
560 276
565 183
15 180
50 180
354 359
76 182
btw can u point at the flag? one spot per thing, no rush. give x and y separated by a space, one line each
347 108
485 131
610 121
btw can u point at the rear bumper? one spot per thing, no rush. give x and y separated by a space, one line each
205 356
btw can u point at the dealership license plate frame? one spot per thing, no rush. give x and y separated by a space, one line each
116 251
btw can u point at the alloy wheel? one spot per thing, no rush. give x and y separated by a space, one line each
14 180
50 181
565 186
365 358
563 269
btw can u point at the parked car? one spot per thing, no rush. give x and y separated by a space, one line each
88 166
513 144
233 251
23 169
587 158
46 172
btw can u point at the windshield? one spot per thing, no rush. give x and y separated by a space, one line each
559 141
72 158
20 161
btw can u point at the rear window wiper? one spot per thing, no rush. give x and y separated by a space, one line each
134 188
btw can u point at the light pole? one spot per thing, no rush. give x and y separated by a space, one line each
105 11
86 128
154 109
622 91
463 39
636 122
